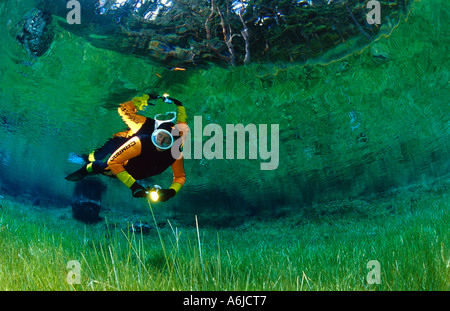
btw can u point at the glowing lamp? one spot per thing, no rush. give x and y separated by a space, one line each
154 195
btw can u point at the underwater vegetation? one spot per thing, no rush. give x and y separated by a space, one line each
324 248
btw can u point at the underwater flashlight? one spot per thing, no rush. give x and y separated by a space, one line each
154 193
165 95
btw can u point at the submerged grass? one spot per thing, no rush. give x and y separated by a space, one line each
325 248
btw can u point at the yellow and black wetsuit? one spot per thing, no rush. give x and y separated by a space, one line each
134 156
138 159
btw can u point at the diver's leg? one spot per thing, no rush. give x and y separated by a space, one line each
108 148
78 174
95 164
93 168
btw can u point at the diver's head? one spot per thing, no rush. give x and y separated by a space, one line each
162 136
162 139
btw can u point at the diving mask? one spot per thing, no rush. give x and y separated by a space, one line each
161 137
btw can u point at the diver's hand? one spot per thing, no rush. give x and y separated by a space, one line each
153 96
138 191
166 194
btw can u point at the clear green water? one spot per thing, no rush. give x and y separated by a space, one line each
353 128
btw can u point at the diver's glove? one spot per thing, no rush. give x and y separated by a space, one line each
141 102
166 194
153 96
138 190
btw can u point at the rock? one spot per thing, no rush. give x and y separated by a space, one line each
87 212
176 34
35 35
379 52
36 201
139 227
86 200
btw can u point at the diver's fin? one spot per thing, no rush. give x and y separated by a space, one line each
77 175
78 159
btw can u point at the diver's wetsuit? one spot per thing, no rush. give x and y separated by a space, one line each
138 125
137 159
134 156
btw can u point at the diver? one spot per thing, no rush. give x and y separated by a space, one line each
143 150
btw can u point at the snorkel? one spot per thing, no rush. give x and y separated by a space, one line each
161 136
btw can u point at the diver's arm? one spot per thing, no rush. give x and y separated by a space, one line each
179 177
182 126
116 163
178 181
181 115
128 112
